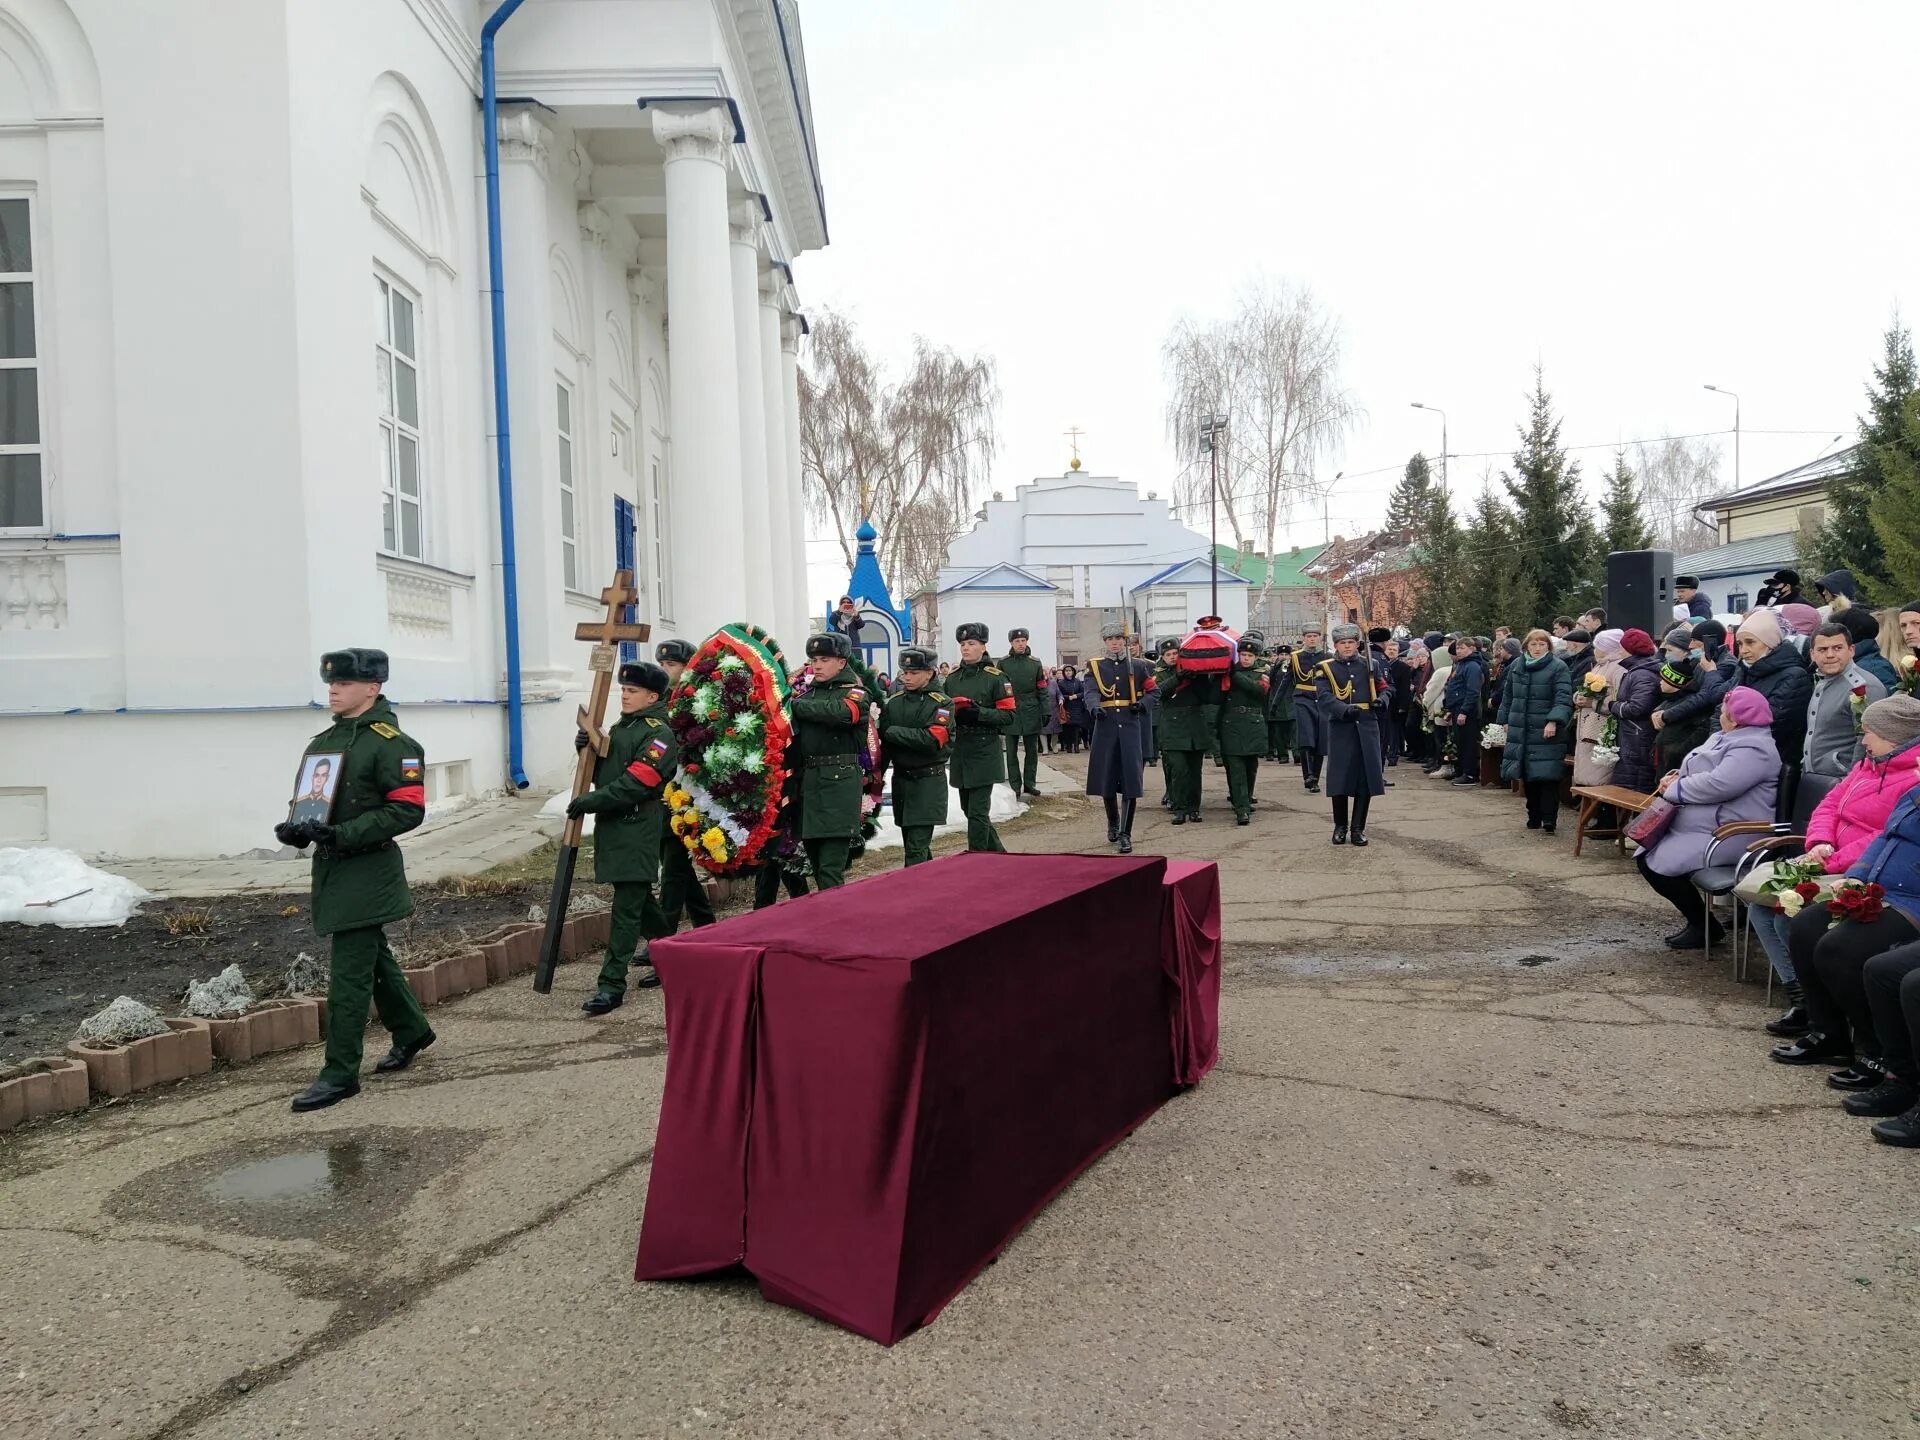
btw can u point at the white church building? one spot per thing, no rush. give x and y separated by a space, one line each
1068 554
219 220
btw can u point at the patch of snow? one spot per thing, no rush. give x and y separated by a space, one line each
123 1020
1006 805
305 976
226 995
86 897
553 815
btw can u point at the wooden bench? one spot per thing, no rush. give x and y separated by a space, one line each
1592 797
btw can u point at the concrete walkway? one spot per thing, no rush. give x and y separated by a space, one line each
1481 1159
464 841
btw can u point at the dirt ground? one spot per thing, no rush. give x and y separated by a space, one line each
1480 1158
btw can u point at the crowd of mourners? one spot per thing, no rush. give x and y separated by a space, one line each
1781 752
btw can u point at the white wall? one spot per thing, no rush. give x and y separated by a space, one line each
1000 611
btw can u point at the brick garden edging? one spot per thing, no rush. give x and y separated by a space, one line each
59 1086
191 1044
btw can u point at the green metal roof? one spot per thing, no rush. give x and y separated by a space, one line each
1287 569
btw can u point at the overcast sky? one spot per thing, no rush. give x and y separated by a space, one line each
1644 198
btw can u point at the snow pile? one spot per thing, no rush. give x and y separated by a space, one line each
305 976
30 879
220 998
553 815
125 1019
1005 806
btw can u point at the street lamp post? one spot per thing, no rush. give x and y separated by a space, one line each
1213 433
1443 441
1326 543
1720 390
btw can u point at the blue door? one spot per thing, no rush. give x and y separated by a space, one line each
624 535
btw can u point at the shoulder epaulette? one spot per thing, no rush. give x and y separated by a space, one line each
384 730
992 669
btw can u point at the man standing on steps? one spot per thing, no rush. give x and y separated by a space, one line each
1119 687
359 879
1312 737
1029 680
1243 726
983 707
680 887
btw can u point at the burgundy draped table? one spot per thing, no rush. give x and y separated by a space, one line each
870 1090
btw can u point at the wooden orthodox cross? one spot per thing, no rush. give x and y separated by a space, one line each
605 637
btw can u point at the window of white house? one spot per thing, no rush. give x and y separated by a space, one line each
569 521
23 502
657 538
396 367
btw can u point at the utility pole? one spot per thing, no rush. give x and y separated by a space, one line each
1443 442
1326 544
1213 433
1736 429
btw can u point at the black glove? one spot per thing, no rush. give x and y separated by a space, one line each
288 833
580 740
318 831
577 807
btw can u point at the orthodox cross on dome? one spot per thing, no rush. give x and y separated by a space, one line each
1073 434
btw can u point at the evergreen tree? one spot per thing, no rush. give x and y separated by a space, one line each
1500 585
1550 516
1849 538
1438 545
1408 506
1896 509
1623 525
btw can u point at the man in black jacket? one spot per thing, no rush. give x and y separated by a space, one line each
1686 589
1715 665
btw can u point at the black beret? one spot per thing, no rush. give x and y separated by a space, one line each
914 658
830 645
645 674
355 664
972 630
679 652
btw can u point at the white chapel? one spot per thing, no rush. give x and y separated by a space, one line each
220 221
1068 554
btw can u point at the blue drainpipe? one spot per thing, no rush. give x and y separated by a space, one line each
509 576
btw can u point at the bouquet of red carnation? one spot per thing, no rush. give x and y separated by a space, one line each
1854 901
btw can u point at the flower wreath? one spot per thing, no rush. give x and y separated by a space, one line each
729 713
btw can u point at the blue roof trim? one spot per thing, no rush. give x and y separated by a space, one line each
1227 577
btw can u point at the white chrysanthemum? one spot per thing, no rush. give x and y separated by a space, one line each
732 662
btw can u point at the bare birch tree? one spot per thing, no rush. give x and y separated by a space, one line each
907 455
1676 474
1273 368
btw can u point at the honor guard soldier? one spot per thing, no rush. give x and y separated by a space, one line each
1028 677
1312 731
916 736
1184 731
1350 701
359 878
628 822
1280 706
1120 687
680 887
983 707
830 726
1243 726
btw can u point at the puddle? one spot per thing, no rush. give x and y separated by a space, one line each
297 1189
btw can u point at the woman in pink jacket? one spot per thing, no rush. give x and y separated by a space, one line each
1845 823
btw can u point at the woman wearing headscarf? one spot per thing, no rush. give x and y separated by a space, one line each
1797 624
1734 776
1771 666
1589 724
1634 698
1536 706
1842 827
1073 709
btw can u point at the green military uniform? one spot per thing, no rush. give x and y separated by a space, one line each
360 882
1243 735
830 727
1185 730
1028 677
628 822
1280 701
916 736
984 706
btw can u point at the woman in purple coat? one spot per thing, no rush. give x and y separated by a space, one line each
1734 776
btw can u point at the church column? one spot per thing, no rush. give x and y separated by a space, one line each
781 491
756 601
796 539
525 161
709 511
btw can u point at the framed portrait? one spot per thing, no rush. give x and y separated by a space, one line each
315 787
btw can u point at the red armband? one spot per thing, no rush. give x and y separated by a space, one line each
1006 702
856 710
410 795
644 773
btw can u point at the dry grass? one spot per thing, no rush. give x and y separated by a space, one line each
479 887
187 924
